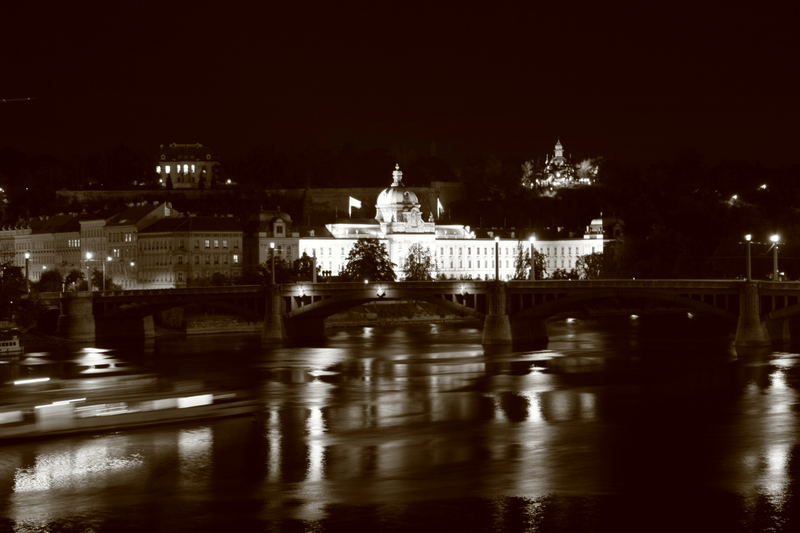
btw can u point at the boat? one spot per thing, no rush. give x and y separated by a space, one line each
10 343
67 416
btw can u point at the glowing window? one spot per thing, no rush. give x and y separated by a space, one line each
166 168
158 169
235 258
185 169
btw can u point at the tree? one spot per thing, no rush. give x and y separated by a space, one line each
12 288
419 265
75 277
539 270
368 260
590 266
51 281
522 263
561 273
303 268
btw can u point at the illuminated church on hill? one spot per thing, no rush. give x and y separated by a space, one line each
558 172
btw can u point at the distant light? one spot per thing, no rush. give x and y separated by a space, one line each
31 380
366 281
89 255
228 181
27 255
570 321
735 197
634 317
194 401
496 239
775 238
763 187
689 315
748 237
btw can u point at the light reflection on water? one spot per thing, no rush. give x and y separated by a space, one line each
403 417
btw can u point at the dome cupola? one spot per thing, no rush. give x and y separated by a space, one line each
395 200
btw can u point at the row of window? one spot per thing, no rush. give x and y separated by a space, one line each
208 259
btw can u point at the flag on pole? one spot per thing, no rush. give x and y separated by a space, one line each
439 208
351 203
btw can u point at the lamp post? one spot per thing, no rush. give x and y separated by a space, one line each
132 274
497 258
27 272
775 239
532 240
748 239
314 265
272 253
108 260
89 256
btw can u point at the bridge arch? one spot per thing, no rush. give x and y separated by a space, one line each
528 323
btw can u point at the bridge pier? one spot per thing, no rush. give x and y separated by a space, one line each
274 329
496 324
76 317
529 334
750 330
307 330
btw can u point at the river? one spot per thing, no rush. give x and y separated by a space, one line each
621 424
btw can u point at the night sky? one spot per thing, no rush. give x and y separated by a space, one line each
636 83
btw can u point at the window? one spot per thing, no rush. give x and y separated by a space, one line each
235 258
224 243
207 243
197 243
216 243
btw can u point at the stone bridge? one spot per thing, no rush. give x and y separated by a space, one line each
512 312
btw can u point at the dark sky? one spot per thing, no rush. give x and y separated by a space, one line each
630 82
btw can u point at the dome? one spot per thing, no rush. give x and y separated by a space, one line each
395 199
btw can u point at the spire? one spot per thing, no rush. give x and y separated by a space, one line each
559 152
397 176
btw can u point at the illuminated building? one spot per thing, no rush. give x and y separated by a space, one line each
187 166
558 172
399 223
177 251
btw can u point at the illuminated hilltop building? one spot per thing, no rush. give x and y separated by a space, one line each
187 166
558 172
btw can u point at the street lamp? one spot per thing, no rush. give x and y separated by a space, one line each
272 253
748 239
132 274
27 272
108 260
497 258
532 240
775 239
89 256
